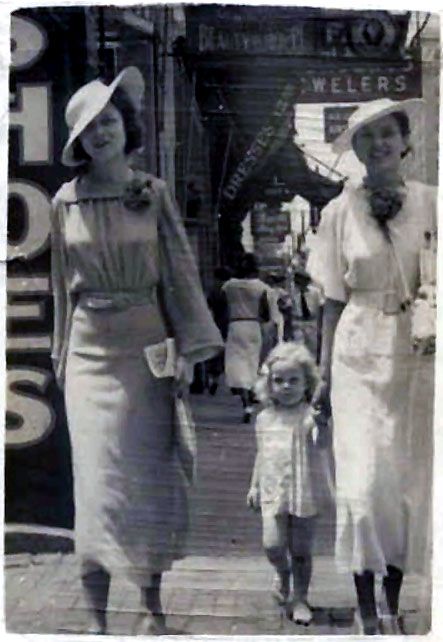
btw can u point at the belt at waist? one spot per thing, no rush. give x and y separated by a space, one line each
117 300
243 319
387 301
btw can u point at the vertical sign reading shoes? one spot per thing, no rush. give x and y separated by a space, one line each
42 73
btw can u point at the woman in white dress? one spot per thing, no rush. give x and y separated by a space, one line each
367 261
248 307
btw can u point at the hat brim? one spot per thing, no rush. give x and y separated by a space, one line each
411 107
131 82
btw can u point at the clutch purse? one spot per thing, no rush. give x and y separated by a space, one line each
162 361
424 305
424 310
161 358
185 439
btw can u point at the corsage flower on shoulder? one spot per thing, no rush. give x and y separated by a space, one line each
138 193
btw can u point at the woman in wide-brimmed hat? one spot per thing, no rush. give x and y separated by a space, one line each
367 262
124 279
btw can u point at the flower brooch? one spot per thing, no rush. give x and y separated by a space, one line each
138 193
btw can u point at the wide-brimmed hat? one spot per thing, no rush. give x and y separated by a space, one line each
371 111
89 101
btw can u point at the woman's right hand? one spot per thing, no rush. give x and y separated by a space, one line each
253 498
321 402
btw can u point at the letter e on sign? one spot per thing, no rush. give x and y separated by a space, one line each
29 418
28 42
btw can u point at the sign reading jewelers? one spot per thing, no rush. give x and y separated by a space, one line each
43 71
331 56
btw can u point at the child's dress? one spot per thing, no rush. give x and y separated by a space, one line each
287 461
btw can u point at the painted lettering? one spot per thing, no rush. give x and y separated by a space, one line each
37 204
400 84
32 119
383 83
29 418
26 286
28 42
319 84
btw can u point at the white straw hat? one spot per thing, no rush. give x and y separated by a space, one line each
89 101
373 110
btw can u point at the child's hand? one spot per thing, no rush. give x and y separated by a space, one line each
321 402
253 498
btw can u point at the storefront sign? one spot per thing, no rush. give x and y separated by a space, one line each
296 31
359 84
336 121
269 137
42 59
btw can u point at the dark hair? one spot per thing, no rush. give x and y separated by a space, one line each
222 273
131 123
402 120
248 267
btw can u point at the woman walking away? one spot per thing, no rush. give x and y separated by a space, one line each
248 308
122 274
368 263
284 481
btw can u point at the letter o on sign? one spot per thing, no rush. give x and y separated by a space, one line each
37 207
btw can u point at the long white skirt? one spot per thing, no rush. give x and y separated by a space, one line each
378 475
130 500
242 354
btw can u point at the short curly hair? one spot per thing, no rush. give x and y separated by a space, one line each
294 355
131 123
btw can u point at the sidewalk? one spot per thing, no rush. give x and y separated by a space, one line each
201 595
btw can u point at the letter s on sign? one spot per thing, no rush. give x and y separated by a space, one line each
28 42
30 418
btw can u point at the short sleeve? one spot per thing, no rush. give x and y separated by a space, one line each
327 264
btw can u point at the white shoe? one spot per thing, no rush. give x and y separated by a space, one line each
302 614
392 625
280 587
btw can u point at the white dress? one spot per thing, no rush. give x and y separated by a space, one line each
372 372
288 466
244 341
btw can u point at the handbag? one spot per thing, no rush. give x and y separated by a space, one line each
185 439
424 306
162 361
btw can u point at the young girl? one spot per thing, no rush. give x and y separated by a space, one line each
283 481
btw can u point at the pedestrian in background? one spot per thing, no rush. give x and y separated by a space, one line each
248 308
367 259
217 305
123 274
284 481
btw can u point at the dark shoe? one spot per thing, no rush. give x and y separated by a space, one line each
247 415
366 626
213 388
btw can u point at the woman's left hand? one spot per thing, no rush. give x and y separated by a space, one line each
183 376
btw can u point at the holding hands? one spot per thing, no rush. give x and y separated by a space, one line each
253 498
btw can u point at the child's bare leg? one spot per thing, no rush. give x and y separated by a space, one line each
95 583
301 537
276 548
